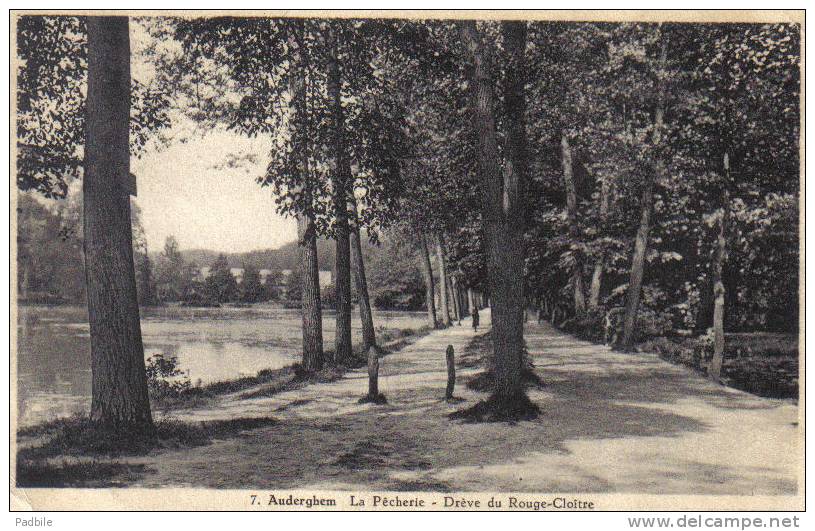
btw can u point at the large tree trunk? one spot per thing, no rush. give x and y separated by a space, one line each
340 183
503 208
632 301
443 294
365 315
715 368
597 275
571 216
311 305
312 312
427 273
119 385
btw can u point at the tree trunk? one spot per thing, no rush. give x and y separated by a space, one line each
119 385
25 284
365 315
597 275
503 209
340 183
311 305
632 301
427 273
462 304
312 312
571 216
444 301
715 368
456 297
450 356
704 317
373 373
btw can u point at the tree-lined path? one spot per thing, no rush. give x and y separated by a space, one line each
612 422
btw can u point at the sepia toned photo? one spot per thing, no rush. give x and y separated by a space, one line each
414 261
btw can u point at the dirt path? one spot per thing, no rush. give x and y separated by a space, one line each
610 422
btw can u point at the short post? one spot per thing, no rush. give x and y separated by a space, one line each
373 395
451 372
373 373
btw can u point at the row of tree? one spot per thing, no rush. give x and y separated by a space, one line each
586 168
50 265
171 279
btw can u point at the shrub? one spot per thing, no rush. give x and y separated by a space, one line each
164 378
590 325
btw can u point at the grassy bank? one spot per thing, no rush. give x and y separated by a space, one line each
761 363
167 396
74 452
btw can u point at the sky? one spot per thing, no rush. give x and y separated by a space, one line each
183 193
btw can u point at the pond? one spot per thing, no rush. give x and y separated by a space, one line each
211 344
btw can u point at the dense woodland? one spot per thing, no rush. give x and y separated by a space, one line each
624 181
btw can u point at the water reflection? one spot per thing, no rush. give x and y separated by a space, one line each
211 344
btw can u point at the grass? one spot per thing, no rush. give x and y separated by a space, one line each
269 382
495 409
56 454
78 436
478 353
76 474
67 452
763 364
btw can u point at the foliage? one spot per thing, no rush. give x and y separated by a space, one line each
49 246
220 285
251 290
729 89
164 378
51 90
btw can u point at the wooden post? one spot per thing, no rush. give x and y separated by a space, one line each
451 372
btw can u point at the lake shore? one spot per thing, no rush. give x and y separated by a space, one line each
610 422
210 346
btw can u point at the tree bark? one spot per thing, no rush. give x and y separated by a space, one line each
597 275
571 216
427 273
456 299
373 373
632 301
119 384
444 300
503 209
311 307
365 314
715 368
340 182
451 372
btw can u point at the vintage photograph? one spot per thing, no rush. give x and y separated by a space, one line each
415 261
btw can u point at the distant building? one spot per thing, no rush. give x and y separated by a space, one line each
265 274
